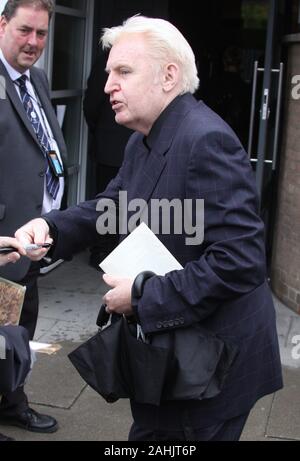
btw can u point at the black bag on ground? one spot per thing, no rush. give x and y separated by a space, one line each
118 365
183 364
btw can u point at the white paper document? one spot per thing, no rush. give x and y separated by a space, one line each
44 348
140 251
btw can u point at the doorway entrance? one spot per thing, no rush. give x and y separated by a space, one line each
237 46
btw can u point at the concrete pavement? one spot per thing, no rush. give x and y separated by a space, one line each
70 298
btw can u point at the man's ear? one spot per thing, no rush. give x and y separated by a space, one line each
3 24
170 76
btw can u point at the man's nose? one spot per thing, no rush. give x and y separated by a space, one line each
111 85
32 39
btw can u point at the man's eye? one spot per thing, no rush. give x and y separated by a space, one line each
124 71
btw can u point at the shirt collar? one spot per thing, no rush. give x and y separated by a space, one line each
13 73
158 124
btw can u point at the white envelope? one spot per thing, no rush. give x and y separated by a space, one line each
140 251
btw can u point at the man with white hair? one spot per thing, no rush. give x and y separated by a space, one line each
182 150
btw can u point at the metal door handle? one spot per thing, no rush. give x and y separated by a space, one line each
252 115
265 113
278 113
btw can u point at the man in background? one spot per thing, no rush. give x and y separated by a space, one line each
32 150
107 144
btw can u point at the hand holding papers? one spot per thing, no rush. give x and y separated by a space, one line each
140 251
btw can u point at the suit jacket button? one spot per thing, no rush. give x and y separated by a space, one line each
42 174
171 324
159 325
182 321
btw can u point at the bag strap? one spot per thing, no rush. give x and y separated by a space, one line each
104 318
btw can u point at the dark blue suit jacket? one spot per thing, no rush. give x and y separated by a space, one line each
193 154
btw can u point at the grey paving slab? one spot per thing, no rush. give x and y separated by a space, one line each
282 309
256 425
73 276
294 339
54 381
70 331
70 307
284 323
43 326
70 298
113 421
288 327
284 421
91 419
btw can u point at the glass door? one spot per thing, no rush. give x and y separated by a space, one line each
237 44
69 57
266 108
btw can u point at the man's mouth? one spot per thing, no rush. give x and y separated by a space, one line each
30 53
116 105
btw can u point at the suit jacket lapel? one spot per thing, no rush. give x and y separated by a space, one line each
16 102
154 162
149 170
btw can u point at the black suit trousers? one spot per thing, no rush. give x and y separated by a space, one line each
30 309
226 431
16 402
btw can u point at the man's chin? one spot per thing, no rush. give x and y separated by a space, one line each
27 63
120 119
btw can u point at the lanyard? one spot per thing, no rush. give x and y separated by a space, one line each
35 99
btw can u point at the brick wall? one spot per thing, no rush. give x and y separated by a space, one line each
286 249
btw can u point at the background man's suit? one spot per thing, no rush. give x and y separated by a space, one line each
107 143
109 138
22 164
22 176
192 154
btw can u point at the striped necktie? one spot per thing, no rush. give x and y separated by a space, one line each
52 182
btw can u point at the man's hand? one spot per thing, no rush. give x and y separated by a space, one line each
118 299
34 232
14 256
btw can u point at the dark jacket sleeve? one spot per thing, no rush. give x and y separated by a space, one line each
76 228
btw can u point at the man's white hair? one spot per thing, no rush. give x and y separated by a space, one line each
166 44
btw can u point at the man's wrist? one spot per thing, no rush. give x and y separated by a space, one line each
53 233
